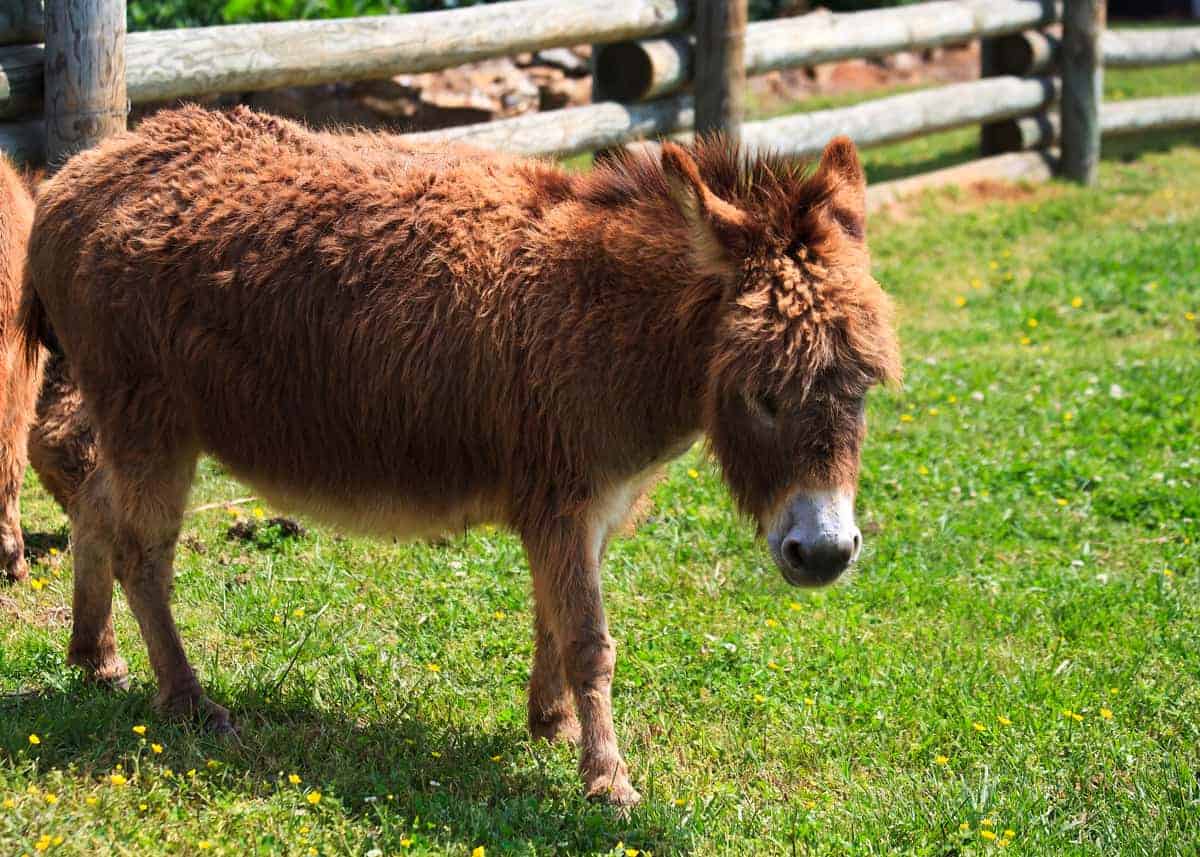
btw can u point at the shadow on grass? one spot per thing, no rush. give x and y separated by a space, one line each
38 545
466 786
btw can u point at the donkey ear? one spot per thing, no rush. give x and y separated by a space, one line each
841 174
718 231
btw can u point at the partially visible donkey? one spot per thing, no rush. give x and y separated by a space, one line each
412 340
60 444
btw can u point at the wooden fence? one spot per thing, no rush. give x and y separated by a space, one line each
67 77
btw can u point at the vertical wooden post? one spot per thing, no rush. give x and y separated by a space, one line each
720 66
1083 79
990 66
85 75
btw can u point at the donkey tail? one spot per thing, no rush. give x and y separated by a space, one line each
34 326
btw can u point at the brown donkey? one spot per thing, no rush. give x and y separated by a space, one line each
413 340
60 444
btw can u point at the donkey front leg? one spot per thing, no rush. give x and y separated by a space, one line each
566 583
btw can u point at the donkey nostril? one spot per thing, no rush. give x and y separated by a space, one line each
857 546
793 554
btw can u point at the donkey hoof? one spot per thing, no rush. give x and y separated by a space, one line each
614 789
109 672
556 729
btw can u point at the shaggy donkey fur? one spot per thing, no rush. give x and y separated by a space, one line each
411 340
60 444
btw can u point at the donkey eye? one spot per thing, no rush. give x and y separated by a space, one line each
764 406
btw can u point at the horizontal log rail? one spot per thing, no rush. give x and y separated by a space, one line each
901 117
21 21
167 64
1037 166
1117 119
660 66
1144 48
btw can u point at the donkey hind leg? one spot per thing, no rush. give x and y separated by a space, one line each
551 709
147 508
93 644
566 583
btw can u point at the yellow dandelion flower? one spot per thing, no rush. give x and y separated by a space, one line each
91 800
117 779
1106 713
53 551
139 730
933 412
204 845
906 418
1077 302
34 740
941 760
298 612
1068 416
314 798
497 758
1168 573
966 825
1025 340
211 763
1009 833
795 605
923 470
9 803
191 773
143 806
294 779
987 834
50 798
952 398
1078 718
481 852
435 754
993 265
976 283
771 665
406 843
808 700
1190 316
680 801
277 619
1003 843
631 852
1061 501
810 804
1004 721
36 583
168 773
433 668
42 844
1112 691
499 615
978 727
987 822
693 473
1151 286
758 697
1033 322
156 748
772 623
960 301
58 840
259 513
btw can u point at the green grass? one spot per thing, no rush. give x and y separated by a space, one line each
1030 501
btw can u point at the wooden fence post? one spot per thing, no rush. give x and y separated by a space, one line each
720 67
85 75
1083 78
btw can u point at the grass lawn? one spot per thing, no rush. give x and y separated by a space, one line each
1019 650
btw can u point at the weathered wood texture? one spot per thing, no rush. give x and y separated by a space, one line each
1082 84
574 129
1009 167
181 63
824 37
641 71
85 75
1117 119
23 142
1136 48
900 117
720 68
20 22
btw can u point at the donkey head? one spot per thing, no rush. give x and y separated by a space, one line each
802 332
